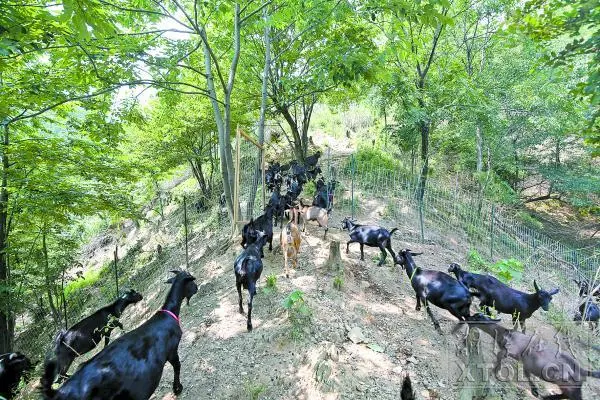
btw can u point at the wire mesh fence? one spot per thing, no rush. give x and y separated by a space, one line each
447 216
457 219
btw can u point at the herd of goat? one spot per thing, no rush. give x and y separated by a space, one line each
131 366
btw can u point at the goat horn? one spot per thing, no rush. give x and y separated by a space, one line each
13 356
535 286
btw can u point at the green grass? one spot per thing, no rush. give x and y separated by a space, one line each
88 279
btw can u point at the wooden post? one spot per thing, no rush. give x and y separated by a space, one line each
334 262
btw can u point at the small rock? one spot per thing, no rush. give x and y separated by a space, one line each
333 353
412 360
397 370
356 335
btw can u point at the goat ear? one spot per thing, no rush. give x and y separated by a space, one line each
175 271
170 280
553 291
412 253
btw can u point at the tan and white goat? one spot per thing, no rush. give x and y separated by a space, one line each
290 245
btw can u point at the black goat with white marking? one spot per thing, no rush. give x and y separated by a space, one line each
132 365
13 367
506 300
247 268
588 311
85 335
263 223
369 235
436 287
584 288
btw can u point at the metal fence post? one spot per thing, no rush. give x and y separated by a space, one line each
116 269
421 220
353 166
185 224
492 231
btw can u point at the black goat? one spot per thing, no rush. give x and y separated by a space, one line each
506 300
132 365
263 223
436 287
85 335
584 288
247 268
538 357
311 161
407 392
13 367
369 235
273 178
591 311
275 204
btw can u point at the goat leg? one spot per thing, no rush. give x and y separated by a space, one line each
436 324
174 361
418 307
348 246
249 323
362 253
383 256
239 290
534 389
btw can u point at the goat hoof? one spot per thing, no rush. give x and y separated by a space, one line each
418 308
249 327
241 310
177 388
535 393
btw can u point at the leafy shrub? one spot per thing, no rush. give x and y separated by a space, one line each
529 220
338 281
476 261
310 189
271 286
299 313
506 270
371 158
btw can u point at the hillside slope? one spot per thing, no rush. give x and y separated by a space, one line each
316 360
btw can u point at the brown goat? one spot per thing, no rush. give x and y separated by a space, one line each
314 213
290 245
538 358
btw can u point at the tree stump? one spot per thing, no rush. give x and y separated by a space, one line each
334 262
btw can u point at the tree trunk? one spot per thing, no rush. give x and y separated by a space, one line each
49 280
297 140
6 317
199 175
261 121
222 129
424 159
334 262
479 148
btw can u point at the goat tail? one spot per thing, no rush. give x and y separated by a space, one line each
407 392
393 230
48 378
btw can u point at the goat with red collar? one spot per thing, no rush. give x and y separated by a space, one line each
131 366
